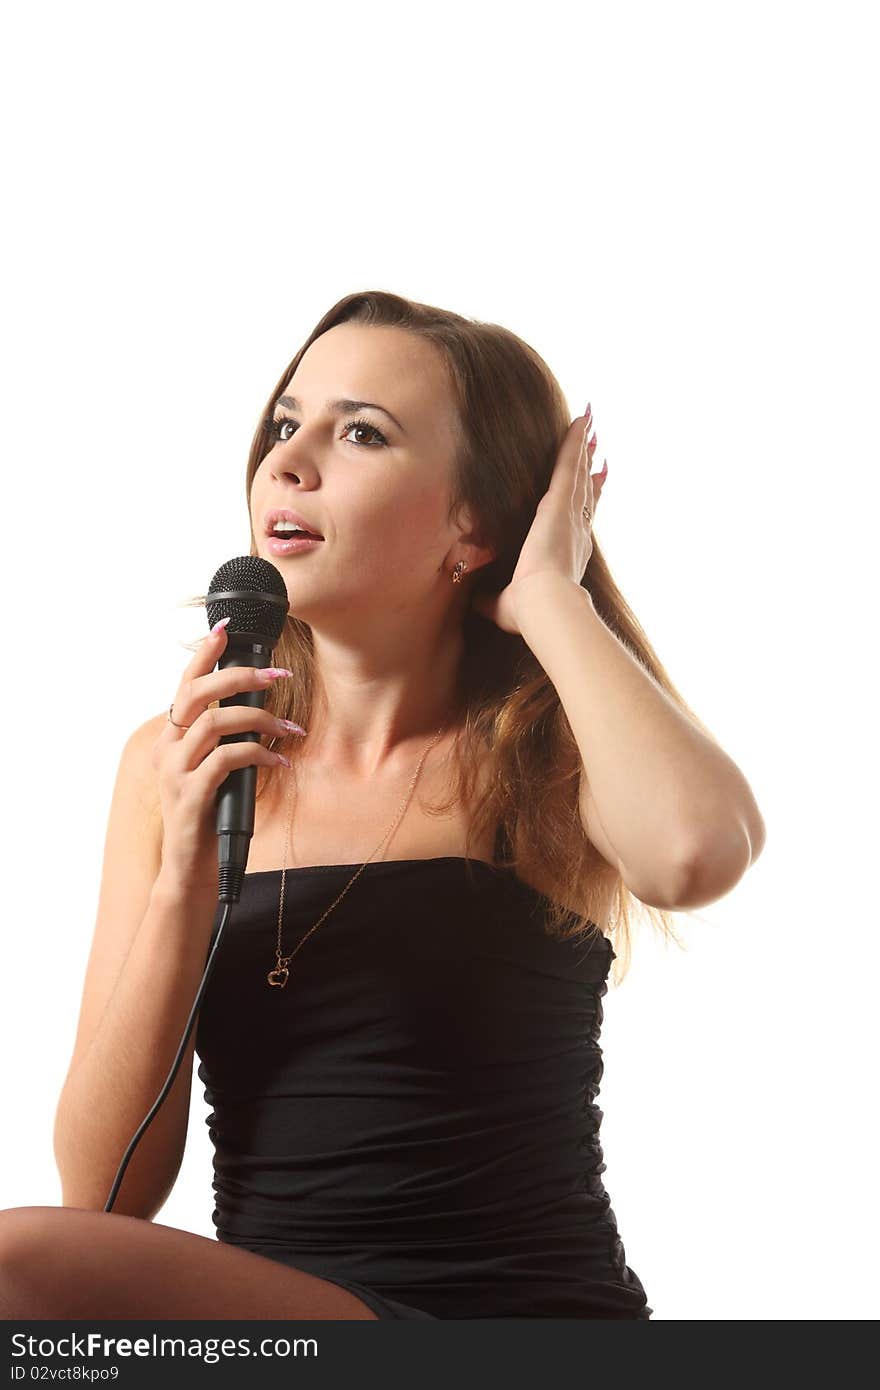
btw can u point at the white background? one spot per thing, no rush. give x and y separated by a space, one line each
676 206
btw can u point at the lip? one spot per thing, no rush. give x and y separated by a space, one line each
279 547
284 514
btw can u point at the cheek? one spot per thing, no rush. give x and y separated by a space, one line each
415 531
404 520
257 496
387 526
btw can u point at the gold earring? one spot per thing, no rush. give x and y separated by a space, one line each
460 567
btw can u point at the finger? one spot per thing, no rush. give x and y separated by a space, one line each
581 426
206 656
579 433
598 481
200 684
209 649
588 459
219 760
213 725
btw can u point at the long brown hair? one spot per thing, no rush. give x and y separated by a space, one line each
512 419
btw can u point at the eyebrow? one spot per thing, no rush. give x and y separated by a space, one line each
342 407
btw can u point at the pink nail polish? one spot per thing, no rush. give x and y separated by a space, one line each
219 626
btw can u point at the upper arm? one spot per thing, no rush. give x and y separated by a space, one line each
593 826
595 833
132 859
682 899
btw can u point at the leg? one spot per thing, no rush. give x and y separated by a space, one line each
68 1263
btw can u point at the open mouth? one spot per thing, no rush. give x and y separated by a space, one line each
284 533
289 544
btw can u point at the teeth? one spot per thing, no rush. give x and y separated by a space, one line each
287 526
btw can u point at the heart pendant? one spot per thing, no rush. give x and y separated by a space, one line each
278 977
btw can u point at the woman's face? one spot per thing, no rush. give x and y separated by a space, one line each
375 487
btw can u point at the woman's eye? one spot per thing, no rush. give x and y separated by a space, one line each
365 425
276 430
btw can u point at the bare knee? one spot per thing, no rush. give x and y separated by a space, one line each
21 1228
25 1234
66 1262
27 1229
33 1241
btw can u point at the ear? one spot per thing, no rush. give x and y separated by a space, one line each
471 543
471 548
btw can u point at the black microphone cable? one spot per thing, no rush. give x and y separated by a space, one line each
252 593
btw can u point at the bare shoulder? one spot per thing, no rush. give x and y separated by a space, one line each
149 731
146 735
140 755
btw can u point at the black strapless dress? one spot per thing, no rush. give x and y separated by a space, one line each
413 1116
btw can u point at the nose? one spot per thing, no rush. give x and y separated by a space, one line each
289 459
287 464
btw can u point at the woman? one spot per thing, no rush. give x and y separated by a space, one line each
404 1118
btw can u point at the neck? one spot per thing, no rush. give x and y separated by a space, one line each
372 717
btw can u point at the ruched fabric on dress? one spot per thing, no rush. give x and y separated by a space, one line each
416 1110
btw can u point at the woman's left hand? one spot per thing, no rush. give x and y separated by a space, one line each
559 540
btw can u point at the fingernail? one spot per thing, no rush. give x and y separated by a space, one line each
270 673
222 623
294 728
604 472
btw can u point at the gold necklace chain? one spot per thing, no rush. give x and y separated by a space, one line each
281 972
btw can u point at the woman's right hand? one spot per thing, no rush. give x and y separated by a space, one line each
190 766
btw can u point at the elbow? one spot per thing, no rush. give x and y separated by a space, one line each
707 871
757 835
87 1179
669 893
713 869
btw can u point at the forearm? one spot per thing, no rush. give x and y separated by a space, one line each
115 1084
666 795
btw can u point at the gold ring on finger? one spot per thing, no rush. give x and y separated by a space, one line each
174 721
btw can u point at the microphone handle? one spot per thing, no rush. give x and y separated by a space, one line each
237 793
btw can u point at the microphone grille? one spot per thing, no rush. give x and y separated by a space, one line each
251 592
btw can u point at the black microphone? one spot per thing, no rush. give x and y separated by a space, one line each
252 593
